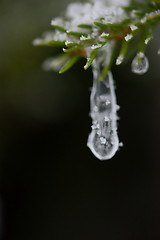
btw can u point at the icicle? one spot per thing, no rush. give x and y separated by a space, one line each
140 64
103 140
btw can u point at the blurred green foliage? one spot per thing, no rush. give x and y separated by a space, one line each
23 83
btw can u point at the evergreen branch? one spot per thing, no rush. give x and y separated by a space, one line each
130 26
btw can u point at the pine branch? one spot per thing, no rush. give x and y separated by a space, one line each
87 27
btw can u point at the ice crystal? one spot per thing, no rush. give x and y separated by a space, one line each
119 59
104 34
96 46
133 27
128 37
147 40
82 38
88 13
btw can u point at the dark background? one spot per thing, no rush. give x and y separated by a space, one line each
52 187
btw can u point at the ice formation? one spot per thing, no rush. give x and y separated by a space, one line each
88 13
103 140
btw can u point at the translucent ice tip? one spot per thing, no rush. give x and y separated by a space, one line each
103 140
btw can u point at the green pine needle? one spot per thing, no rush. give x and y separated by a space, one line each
91 58
56 43
59 28
69 63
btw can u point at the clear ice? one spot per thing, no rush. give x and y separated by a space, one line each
103 140
140 64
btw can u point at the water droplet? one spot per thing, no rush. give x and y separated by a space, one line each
103 140
140 64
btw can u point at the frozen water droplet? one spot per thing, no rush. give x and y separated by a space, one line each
128 37
104 34
133 27
147 40
140 64
121 144
96 46
103 140
119 59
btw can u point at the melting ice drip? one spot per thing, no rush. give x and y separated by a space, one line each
140 64
103 140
